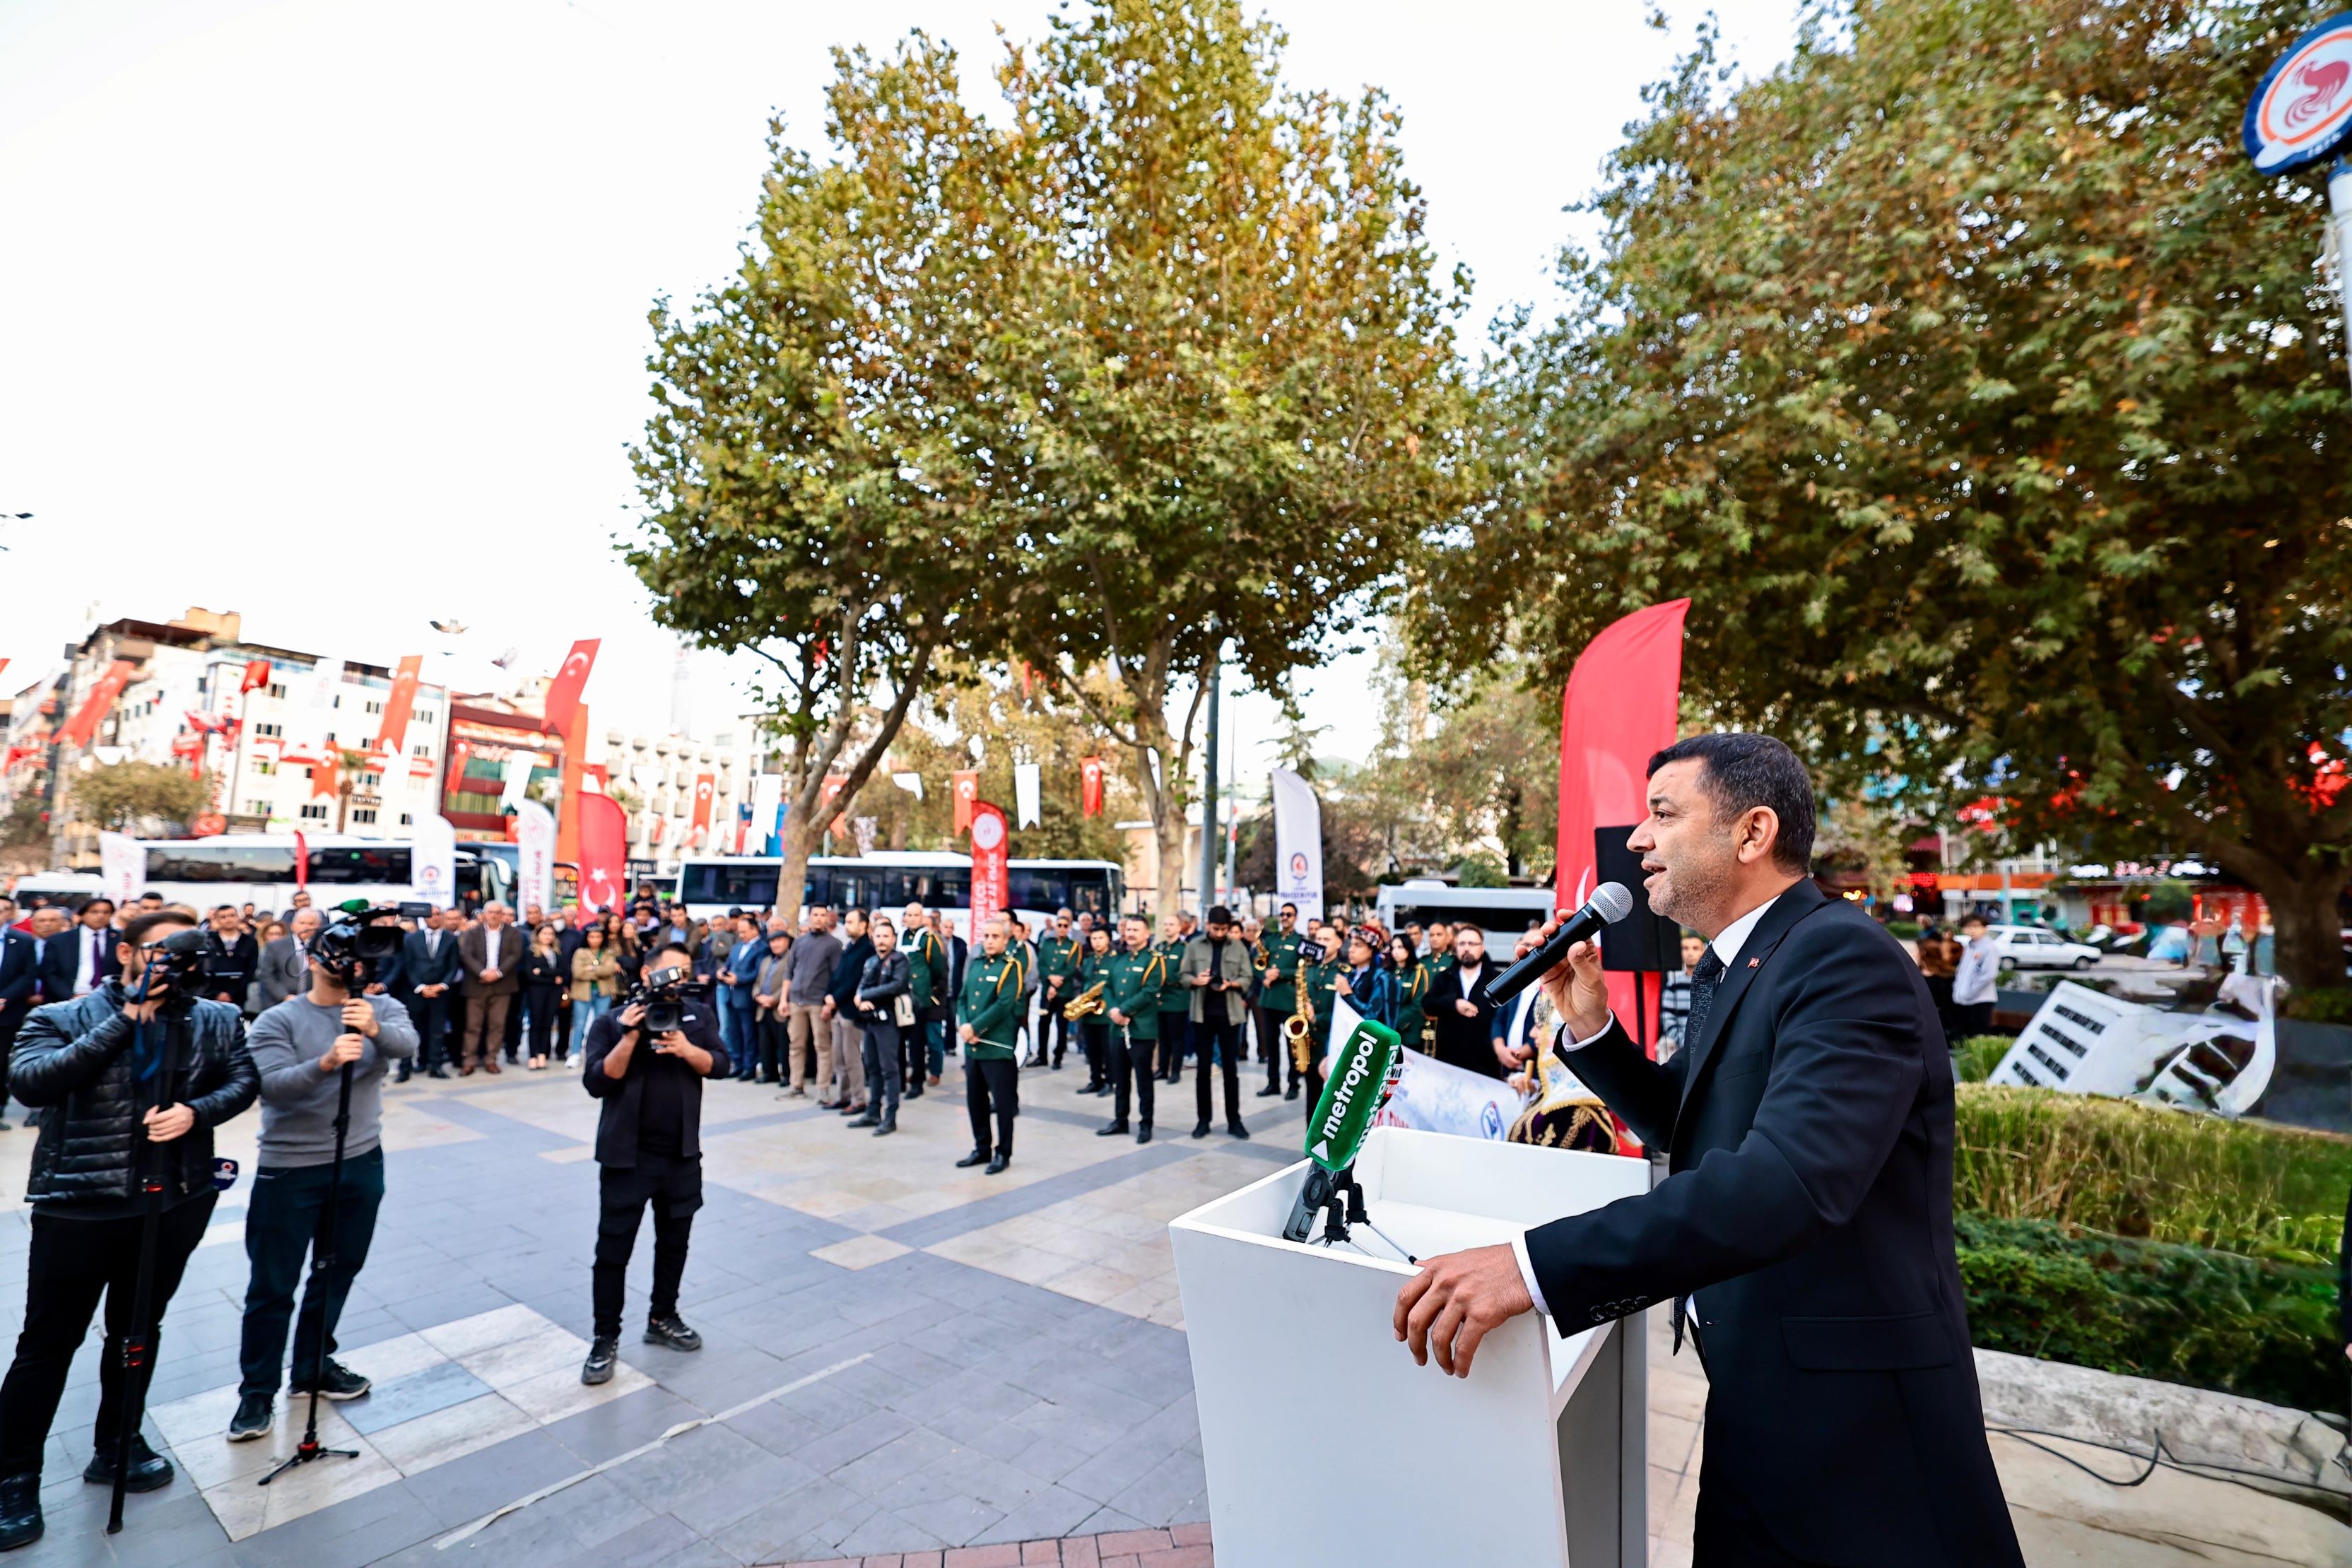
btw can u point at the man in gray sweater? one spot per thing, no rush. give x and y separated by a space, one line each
300 1047
808 980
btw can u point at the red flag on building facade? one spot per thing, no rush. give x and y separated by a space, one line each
563 692
1622 701
992 864
604 853
95 708
704 787
392 734
965 783
1090 786
257 674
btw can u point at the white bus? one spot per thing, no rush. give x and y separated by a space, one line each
1502 913
258 868
892 879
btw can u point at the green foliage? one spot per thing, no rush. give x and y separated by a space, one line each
2137 1170
27 824
1012 726
2327 1004
1483 870
1974 1059
2168 902
2184 1314
1965 365
1906 929
129 793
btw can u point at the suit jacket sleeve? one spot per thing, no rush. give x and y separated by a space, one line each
1645 1093
19 969
473 953
1846 1072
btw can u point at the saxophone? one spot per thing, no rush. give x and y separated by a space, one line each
1298 1029
1086 1003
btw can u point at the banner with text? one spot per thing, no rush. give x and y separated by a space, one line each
1297 844
991 867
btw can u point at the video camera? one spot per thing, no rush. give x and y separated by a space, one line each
664 995
352 946
175 967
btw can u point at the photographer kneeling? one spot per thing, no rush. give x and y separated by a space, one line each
649 1144
299 1048
94 1063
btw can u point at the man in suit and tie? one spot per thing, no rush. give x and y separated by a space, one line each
1457 1001
1804 1232
80 958
285 967
20 974
428 967
491 954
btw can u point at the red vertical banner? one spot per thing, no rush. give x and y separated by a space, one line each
704 787
1090 786
965 783
392 734
563 692
603 852
1624 699
95 707
257 674
992 865
301 859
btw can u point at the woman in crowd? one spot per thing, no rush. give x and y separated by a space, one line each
543 979
621 941
595 971
1369 989
883 1005
1411 973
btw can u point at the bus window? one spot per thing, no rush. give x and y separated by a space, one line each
346 864
219 861
1091 893
748 887
1032 889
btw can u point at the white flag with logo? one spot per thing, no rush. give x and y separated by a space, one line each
767 812
1025 794
432 860
535 862
122 866
1297 844
310 719
517 788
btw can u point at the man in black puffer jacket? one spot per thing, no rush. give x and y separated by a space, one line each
82 1063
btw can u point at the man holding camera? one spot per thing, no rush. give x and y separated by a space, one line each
299 1048
648 1145
135 1076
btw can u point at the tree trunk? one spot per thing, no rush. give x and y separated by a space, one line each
1165 800
791 876
2309 927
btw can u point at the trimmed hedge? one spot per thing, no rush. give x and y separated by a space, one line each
2147 1172
1974 1059
2183 1314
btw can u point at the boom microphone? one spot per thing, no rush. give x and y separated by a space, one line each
1610 904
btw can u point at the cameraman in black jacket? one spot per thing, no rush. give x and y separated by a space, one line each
85 1061
649 1148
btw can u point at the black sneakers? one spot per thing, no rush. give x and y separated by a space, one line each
602 1352
336 1382
149 1469
672 1332
20 1511
253 1419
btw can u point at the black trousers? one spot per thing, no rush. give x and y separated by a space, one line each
431 1016
10 1018
1214 1036
540 1001
1094 1033
72 1263
991 1086
914 1040
281 1226
1175 1033
1274 1049
1132 1063
885 1061
1058 1028
673 1185
774 1039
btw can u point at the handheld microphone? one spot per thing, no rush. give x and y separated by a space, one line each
1363 1072
1610 904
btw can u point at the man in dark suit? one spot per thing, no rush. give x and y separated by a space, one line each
1457 1001
428 967
231 958
20 971
1804 1234
80 958
285 967
492 956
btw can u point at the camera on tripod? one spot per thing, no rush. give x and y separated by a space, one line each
663 996
175 967
357 941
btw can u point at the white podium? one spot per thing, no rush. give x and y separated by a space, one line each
1326 1445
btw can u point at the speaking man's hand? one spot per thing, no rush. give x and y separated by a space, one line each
1578 988
1457 1301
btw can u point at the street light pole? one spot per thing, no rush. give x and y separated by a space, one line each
1209 786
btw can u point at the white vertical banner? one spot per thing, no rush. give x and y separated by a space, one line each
122 866
432 860
767 812
1297 844
391 791
310 721
535 871
518 779
1025 795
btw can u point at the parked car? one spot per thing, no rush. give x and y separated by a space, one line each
2031 947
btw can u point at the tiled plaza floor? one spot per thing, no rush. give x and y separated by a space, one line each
900 1358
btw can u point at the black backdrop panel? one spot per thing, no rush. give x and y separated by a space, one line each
1641 941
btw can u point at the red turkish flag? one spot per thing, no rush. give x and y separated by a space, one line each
93 710
1623 700
965 783
392 734
257 674
604 853
563 693
992 864
704 786
326 773
840 825
1090 786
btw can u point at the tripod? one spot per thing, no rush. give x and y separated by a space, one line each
323 1258
138 1344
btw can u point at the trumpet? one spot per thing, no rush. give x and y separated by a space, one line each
1298 1029
1086 1003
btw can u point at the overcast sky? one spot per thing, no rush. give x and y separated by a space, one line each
333 313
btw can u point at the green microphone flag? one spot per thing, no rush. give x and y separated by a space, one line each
1362 1073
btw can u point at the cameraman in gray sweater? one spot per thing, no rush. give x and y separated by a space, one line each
300 1047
